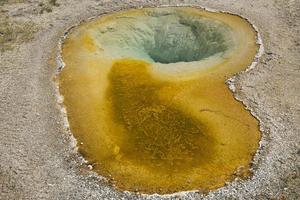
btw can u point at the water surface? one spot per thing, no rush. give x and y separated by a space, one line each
147 101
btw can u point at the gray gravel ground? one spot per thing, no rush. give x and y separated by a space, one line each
38 157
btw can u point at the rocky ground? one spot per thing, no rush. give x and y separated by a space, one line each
39 159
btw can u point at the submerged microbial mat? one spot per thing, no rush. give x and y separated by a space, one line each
146 98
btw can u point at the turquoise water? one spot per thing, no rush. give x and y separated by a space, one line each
167 36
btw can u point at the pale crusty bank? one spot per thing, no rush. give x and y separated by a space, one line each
39 157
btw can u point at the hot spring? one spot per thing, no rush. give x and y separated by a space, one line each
146 98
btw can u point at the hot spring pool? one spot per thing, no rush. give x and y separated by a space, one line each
146 98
